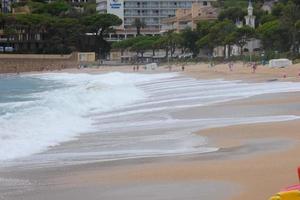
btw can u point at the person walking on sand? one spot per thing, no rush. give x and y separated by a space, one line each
230 65
254 67
182 67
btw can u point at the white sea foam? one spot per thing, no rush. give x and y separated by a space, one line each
122 110
60 115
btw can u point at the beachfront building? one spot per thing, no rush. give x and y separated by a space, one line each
151 12
189 18
268 5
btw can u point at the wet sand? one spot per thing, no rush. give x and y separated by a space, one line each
254 162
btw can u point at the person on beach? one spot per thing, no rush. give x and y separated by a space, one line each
254 67
134 68
182 67
230 66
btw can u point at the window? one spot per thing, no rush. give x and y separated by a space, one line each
205 3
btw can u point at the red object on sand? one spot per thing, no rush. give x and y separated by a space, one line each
293 187
299 173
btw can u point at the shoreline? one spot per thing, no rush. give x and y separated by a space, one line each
199 70
235 157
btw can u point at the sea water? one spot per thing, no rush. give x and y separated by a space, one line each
84 117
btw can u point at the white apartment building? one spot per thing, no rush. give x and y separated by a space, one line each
149 11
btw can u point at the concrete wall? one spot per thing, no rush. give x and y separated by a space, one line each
14 63
35 56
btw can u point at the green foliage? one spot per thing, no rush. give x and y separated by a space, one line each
243 35
89 8
128 43
278 10
219 34
298 25
234 3
273 36
170 41
142 45
233 14
101 23
267 18
60 34
63 29
203 28
189 40
289 21
55 8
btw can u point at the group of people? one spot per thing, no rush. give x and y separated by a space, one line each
136 68
253 66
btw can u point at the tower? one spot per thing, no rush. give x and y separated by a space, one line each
250 18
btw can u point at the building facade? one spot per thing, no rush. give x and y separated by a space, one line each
189 18
151 12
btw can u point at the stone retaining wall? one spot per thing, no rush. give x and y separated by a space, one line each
14 63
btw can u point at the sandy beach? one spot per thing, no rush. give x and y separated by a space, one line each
254 160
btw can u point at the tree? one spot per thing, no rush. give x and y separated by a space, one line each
218 34
227 38
203 27
101 24
232 13
138 24
243 35
64 35
289 20
206 42
189 39
298 25
143 45
170 41
55 8
273 36
126 44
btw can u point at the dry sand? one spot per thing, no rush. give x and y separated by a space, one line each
244 72
255 161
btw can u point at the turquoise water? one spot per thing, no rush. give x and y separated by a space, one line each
17 88
21 89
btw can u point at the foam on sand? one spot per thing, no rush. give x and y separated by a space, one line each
59 114
119 116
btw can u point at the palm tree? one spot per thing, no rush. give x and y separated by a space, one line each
138 24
